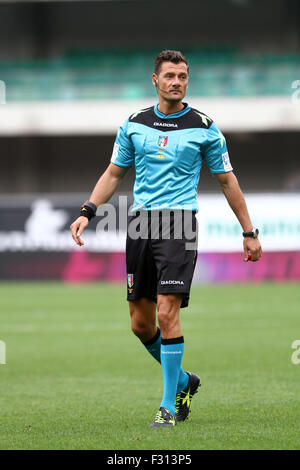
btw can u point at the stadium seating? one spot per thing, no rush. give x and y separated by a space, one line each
125 74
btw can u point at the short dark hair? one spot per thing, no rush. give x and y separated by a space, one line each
169 56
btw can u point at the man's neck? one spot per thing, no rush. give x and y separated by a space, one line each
170 107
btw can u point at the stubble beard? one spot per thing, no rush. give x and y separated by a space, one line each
174 99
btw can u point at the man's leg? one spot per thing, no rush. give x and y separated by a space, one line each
143 325
143 318
172 347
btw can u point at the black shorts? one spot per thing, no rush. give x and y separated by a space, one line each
161 253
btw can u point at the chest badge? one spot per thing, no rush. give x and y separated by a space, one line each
162 141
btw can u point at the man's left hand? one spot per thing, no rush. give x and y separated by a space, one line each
252 246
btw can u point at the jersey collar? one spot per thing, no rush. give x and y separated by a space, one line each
174 115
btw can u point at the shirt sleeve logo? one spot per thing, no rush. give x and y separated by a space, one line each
226 161
115 152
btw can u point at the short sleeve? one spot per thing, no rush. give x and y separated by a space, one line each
123 151
215 151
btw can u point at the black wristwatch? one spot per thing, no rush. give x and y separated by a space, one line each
253 234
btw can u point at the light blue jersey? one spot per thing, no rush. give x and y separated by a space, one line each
167 152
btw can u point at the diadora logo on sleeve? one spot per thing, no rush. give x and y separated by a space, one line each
164 124
172 282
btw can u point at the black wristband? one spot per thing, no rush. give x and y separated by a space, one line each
88 209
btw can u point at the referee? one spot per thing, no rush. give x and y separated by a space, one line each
167 143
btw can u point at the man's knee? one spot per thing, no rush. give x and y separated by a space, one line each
168 307
139 327
142 320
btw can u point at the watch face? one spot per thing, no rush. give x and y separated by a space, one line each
255 233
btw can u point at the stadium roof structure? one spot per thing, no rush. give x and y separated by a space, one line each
232 114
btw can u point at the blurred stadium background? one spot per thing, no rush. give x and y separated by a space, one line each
71 72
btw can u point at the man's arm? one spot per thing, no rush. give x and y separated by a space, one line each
235 198
107 184
102 192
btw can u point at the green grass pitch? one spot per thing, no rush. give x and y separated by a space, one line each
77 378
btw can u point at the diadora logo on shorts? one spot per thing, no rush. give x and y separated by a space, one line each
172 282
165 124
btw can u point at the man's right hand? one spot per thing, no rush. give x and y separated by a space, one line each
77 227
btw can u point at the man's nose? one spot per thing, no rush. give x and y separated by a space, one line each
176 81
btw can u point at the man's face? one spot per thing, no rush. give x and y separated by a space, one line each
172 81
